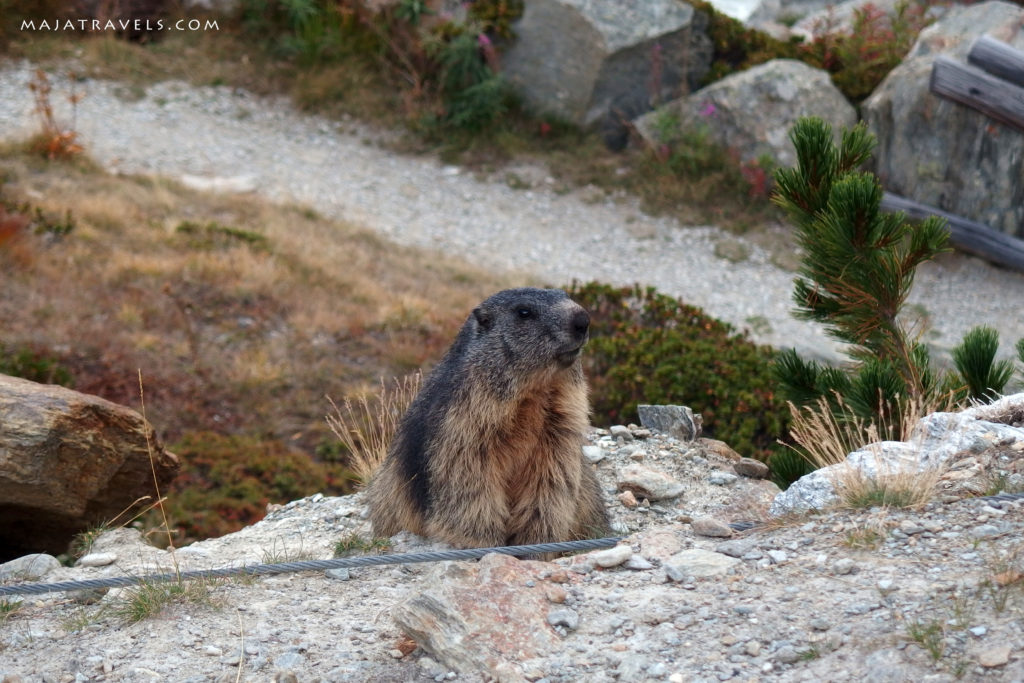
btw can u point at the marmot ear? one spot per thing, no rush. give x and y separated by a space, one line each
483 318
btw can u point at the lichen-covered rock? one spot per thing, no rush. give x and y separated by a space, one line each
942 153
578 59
487 617
67 461
753 111
677 421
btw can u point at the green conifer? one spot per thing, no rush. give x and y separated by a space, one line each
857 270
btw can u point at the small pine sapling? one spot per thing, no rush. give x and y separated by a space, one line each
856 273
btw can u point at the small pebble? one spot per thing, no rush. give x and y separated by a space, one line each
994 656
96 560
593 454
621 432
787 654
711 527
612 557
844 566
722 479
819 624
563 616
628 499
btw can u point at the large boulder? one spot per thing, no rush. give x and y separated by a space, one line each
942 153
67 461
586 60
752 112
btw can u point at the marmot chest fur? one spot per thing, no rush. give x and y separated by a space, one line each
489 452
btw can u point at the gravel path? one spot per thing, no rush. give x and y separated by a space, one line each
231 138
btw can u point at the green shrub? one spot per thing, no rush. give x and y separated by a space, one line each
226 482
876 43
646 347
34 365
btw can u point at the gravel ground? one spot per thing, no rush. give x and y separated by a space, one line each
230 139
862 595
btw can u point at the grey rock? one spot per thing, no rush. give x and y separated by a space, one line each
612 557
581 59
593 454
942 153
787 654
289 660
29 567
777 556
978 631
752 112
621 432
709 526
844 566
565 617
910 527
697 563
339 574
812 491
722 479
638 562
739 547
985 531
819 624
96 560
754 469
648 483
677 421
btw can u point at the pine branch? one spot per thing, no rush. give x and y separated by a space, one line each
975 360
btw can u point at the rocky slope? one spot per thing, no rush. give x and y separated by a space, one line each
868 594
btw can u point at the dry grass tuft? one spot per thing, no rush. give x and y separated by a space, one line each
366 425
826 437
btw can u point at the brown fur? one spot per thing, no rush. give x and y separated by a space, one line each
503 462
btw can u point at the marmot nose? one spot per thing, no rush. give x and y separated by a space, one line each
580 322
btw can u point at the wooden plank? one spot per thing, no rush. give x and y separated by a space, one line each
966 235
975 88
998 59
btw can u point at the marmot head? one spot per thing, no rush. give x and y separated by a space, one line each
522 331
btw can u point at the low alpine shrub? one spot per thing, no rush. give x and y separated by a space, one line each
647 347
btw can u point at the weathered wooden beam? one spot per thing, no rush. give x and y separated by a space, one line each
975 88
998 59
966 235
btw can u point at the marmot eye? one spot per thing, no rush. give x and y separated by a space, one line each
524 313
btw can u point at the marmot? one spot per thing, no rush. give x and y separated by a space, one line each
489 453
